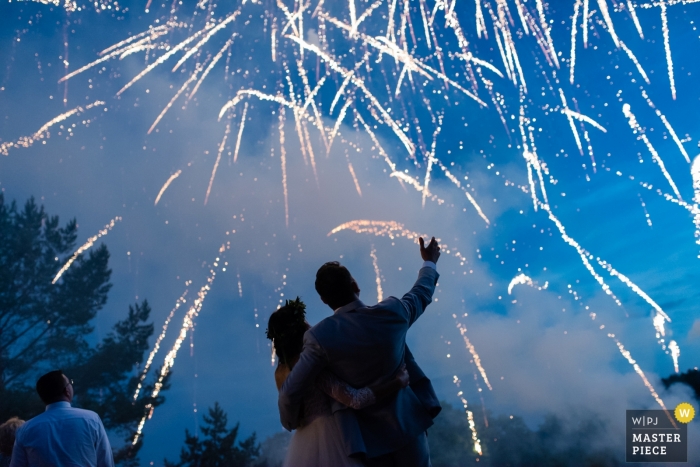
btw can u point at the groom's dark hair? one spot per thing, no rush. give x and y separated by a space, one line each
334 284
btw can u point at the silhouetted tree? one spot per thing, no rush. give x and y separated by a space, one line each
690 377
46 325
217 447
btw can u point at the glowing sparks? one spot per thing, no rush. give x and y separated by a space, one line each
169 360
377 274
635 61
240 133
635 19
695 172
675 353
166 185
625 353
86 246
574 31
470 417
43 132
471 199
668 126
475 356
583 118
180 301
218 159
522 279
354 179
603 5
569 115
614 272
283 163
392 230
639 131
667 47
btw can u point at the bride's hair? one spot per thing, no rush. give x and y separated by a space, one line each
286 328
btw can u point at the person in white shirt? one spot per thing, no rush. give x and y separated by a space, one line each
62 436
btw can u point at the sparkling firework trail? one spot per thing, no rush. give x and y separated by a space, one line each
635 61
377 274
86 246
477 360
603 5
675 353
41 133
392 230
635 19
470 416
354 179
471 199
583 118
566 111
634 287
182 89
156 346
668 126
625 353
574 31
667 48
121 51
232 17
585 23
169 360
211 65
218 159
240 133
166 185
695 172
162 59
639 131
518 280
646 213
283 162
431 159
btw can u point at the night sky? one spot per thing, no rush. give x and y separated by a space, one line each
544 348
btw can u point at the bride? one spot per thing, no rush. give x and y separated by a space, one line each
318 441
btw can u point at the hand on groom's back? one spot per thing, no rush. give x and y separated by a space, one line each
431 252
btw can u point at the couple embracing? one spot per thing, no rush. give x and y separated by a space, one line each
349 385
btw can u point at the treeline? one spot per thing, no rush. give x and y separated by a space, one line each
505 442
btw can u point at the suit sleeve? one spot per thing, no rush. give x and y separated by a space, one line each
311 361
420 295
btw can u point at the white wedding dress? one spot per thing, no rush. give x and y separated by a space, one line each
318 442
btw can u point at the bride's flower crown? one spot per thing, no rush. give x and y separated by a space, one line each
296 320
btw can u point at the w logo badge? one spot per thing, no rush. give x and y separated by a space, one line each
684 412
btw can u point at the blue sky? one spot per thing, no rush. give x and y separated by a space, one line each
540 349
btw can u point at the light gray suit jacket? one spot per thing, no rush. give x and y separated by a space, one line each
366 345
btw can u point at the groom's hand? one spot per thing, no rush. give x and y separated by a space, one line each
431 252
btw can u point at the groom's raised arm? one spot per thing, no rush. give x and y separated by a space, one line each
421 294
311 361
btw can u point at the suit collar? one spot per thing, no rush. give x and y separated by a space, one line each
349 307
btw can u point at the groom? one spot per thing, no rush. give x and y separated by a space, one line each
364 345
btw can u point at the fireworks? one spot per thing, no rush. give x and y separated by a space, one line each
396 73
377 274
187 325
166 185
43 132
85 246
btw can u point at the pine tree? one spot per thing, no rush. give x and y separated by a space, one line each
217 448
46 326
